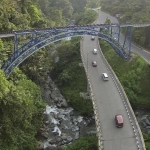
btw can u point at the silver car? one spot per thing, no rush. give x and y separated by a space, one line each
105 76
92 38
94 51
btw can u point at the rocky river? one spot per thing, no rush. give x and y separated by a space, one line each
143 117
61 125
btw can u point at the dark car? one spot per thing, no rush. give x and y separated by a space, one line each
119 120
94 63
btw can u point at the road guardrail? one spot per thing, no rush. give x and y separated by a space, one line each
135 126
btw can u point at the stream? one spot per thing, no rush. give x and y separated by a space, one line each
61 125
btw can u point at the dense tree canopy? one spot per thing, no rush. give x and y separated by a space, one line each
21 104
21 108
136 11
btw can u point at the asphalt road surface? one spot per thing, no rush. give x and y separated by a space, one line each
140 51
108 99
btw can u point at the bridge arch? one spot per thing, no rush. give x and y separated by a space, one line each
43 38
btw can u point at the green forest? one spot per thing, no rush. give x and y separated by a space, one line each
136 11
21 103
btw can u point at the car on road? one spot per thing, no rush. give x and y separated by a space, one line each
105 76
94 63
119 120
92 38
94 51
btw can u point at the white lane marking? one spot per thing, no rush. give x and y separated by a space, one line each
146 51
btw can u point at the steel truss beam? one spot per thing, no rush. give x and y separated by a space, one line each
40 38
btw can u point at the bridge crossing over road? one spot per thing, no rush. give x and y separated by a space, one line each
107 97
41 37
13 33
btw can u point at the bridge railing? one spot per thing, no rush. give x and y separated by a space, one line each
99 132
36 30
135 126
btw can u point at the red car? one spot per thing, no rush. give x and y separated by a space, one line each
94 63
119 120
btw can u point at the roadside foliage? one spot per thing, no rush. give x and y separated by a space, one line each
21 103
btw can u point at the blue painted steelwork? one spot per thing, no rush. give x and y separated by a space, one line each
42 37
115 32
127 40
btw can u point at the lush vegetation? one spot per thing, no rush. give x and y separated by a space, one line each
70 77
85 143
136 11
147 141
133 74
21 105
88 16
21 108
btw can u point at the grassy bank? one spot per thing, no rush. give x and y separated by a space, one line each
133 73
70 76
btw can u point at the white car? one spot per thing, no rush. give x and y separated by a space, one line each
92 38
94 51
105 76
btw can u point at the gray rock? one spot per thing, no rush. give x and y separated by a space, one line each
42 129
46 86
147 122
46 122
55 133
147 127
53 141
64 103
52 95
64 138
60 116
65 142
92 132
69 138
59 139
77 136
59 98
51 125
65 116
76 128
44 135
51 148
40 145
142 124
58 105
148 132
70 111
148 117
56 99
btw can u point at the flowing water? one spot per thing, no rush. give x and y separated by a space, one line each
61 125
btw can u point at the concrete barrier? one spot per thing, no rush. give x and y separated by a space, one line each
99 133
129 110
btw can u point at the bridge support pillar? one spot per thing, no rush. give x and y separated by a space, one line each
127 40
15 45
115 32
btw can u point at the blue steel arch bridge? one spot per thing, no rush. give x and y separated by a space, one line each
39 38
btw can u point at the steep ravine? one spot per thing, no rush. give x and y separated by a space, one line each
61 125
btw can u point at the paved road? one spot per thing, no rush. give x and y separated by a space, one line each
108 100
143 53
